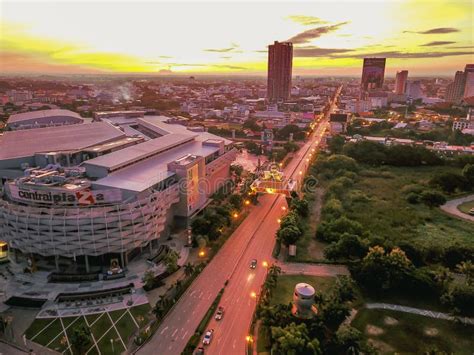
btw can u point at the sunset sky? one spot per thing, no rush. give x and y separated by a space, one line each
230 37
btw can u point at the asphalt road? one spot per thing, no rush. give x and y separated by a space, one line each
253 239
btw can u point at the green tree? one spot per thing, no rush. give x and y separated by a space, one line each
80 339
236 201
289 235
293 340
467 269
149 279
432 198
468 173
189 269
171 261
336 144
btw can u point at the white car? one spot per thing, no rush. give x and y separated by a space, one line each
208 337
219 313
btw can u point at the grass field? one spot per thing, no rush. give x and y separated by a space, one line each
396 332
117 326
307 247
378 202
466 207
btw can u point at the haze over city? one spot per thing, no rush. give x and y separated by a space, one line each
231 37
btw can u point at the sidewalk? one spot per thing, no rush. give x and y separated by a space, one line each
418 311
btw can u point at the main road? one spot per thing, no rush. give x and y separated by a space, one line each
253 239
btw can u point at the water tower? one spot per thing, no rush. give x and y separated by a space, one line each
303 301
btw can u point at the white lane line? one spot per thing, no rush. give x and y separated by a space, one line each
184 335
164 330
174 333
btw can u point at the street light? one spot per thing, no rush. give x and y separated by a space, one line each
283 208
202 253
279 220
247 202
265 264
112 344
236 215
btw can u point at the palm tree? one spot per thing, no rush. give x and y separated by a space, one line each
189 269
274 270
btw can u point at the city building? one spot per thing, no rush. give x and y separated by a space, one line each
338 123
280 63
401 82
90 193
455 90
373 72
469 81
43 118
414 90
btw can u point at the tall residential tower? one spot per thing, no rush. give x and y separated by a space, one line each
280 64
401 82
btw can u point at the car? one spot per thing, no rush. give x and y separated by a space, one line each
208 337
199 351
253 264
219 313
471 212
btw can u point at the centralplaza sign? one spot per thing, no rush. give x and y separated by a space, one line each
83 197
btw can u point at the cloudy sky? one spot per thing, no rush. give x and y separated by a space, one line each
427 37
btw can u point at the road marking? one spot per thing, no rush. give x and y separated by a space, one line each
184 335
164 330
233 344
174 333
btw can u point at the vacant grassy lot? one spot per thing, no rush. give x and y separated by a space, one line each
118 325
307 247
378 201
283 294
397 332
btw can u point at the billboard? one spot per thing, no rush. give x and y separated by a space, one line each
373 73
64 197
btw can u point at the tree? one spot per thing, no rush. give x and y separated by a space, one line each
148 279
432 198
336 144
468 173
236 201
171 261
293 340
348 340
301 206
80 339
449 182
189 269
289 235
467 269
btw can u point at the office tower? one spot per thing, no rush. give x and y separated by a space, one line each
414 90
373 73
280 63
469 81
401 82
455 91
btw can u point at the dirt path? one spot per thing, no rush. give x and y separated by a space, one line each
451 207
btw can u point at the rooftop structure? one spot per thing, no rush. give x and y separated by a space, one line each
43 118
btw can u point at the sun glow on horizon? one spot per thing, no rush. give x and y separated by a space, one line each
231 37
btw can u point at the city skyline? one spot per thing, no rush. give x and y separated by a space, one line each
232 37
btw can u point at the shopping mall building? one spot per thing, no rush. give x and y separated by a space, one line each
92 192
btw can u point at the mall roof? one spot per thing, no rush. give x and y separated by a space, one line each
25 143
34 115
126 156
149 172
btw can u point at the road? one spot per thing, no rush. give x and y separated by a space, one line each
451 207
253 239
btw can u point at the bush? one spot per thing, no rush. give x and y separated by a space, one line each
432 198
413 198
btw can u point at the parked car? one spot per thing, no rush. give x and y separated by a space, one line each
199 351
208 337
219 313
253 264
471 212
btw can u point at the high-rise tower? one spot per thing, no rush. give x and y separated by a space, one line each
280 64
